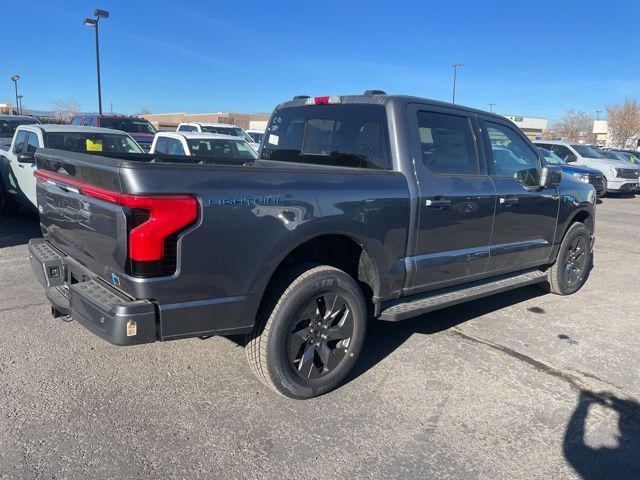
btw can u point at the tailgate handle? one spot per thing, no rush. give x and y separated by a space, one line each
63 187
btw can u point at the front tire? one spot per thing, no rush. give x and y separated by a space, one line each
569 273
309 332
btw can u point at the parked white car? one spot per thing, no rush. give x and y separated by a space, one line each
221 128
202 145
18 186
257 135
621 176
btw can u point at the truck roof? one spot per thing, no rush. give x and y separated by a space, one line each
207 124
384 99
51 127
17 117
199 135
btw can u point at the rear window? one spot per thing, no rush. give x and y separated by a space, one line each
91 142
129 125
221 148
340 135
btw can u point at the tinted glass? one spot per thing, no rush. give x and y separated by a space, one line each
32 143
129 125
91 142
341 135
561 151
187 128
162 145
20 138
8 127
447 144
550 157
588 152
512 156
214 147
175 147
257 137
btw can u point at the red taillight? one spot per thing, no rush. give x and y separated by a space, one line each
167 215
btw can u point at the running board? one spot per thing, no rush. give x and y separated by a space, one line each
414 305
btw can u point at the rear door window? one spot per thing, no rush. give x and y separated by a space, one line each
341 135
175 147
32 143
447 144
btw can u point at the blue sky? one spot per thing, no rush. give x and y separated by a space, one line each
534 58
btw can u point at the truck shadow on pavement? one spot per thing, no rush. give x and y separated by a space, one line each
383 338
620 462
18 230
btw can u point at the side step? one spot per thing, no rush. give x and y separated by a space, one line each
408 307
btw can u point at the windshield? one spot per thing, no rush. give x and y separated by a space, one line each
129 125
233 131
630 157
351 135
91 142
612 155
8 126
588 152
550 157
217 147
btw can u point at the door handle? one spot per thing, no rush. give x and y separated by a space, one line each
20 165
506 201
437 202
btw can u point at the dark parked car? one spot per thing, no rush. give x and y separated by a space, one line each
360 206
8 125
584 174
140 129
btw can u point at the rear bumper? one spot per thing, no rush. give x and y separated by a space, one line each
107 312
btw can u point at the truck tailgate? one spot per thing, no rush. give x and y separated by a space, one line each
92 231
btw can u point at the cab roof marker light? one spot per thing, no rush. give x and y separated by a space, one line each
323 100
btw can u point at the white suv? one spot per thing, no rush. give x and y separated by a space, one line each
220 128
621 176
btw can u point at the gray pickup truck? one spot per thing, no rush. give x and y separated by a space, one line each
363 206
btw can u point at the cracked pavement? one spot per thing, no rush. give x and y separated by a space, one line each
521 385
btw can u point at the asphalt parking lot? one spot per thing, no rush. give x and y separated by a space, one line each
520 385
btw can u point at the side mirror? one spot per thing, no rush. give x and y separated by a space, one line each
26 157
550 176
570 158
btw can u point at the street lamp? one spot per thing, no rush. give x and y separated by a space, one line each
455 72
491 105
93 22
598 112
15 79
20 104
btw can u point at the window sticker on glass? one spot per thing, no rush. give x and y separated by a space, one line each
273 139
94 145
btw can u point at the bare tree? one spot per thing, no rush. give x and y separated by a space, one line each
144 111
623 123
575 124
65 109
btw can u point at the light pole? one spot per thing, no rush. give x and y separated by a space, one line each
15 79
93 22
20 104
598 112
491 105
455 72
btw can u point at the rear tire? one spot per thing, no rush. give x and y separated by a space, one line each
8 206
568 274
309 331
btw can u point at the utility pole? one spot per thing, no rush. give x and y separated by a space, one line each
93 22
15 79
455 72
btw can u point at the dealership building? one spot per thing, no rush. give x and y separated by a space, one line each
170 121
531 126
